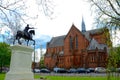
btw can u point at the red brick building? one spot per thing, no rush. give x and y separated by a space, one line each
77 49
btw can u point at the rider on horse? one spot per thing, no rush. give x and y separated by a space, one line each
26 31
25 34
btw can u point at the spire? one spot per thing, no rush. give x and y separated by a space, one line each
83 25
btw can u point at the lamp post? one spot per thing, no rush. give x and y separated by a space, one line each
40 53
34 61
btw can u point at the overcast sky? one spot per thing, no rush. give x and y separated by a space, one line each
66 13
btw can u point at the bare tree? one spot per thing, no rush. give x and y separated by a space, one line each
10 9
14 12
107 12
47 7
108 15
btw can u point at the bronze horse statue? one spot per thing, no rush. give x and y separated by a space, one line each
21 34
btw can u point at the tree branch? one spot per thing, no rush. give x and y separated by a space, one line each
117 3
5 15
113 8
13 12
14 3
104 11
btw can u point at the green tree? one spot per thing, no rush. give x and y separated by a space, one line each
113 62
115 57
42 61
5 55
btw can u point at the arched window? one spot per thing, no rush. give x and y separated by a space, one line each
76 42
70 42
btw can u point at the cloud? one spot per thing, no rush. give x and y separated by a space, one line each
5 33
41 41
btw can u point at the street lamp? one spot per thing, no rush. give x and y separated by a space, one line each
34 61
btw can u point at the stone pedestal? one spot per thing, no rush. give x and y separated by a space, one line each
20 65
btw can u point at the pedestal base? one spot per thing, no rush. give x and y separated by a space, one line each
19 76
20 65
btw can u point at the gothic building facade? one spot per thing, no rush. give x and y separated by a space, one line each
78 49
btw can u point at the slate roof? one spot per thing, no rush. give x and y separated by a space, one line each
56 41
94 44
59 40
87 33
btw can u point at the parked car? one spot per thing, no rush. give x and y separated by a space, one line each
81 70
44 70
4 69
55 69
118 70
91 69
37 70
72 70
62 70
87 70
112 69
100 70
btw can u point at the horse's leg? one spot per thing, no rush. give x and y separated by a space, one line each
34 42
27 42
19 40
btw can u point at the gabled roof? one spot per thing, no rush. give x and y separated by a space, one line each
94 44
94 31
57 41
74 27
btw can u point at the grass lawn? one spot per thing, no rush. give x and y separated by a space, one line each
2 77
75 78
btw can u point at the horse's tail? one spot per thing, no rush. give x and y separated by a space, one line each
18 32
16 37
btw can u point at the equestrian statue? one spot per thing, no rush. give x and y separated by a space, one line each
25 34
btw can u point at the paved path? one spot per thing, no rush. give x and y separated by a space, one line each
76 74
73 74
